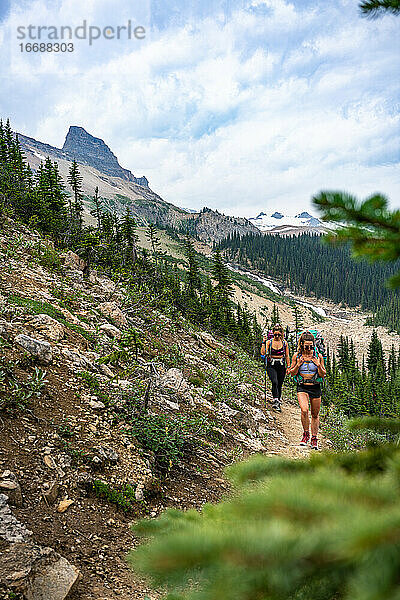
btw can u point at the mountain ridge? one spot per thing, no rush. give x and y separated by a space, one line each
280 224
87 149
119 189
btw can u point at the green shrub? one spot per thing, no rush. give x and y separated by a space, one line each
65 429
46 256
68 298
36 307
173 356
197 377
326 528
123 497
224 387
93 383
168 437
334 427
18 393
90 379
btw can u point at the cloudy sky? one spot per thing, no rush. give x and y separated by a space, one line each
240 105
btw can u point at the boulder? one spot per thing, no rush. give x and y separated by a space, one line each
113 311
106 370
72 261
170 405
139 493
47 326
7 330
40 349
174 380
10 486
11 530
104 456
253 444
97 405
36 572
211 342
111 331
77 358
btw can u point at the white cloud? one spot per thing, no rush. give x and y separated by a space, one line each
254 112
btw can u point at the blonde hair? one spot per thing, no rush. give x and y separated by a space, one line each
306 336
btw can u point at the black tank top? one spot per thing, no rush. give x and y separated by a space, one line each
277 353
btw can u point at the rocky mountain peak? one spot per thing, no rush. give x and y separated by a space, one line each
304 215
93 151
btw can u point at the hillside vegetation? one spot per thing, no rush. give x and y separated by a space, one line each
116 401
306 264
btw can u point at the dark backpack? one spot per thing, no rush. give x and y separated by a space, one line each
267 356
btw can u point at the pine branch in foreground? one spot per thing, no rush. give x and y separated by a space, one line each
318 532
371 228
376 8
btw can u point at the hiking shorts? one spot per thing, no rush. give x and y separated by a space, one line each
313 390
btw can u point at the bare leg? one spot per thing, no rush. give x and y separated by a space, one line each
315 406
305 418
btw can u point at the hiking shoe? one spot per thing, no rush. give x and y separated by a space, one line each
305 439
314 443
277 405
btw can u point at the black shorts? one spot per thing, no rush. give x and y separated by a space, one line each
313 390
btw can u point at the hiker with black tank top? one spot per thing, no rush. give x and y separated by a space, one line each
307 367
276 354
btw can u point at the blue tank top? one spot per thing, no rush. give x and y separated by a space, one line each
308 368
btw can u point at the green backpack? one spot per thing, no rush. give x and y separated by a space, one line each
319 348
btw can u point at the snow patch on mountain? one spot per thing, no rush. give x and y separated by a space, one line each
266 222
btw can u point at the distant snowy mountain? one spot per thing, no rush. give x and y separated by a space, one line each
268 222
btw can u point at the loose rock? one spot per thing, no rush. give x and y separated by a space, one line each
112 310
47 326
111 330
42 350
64 504
10 486
37 573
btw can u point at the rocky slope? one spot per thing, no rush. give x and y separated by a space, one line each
82 363
210 225
120 189
87 149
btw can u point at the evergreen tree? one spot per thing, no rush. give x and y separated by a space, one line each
343 354
298 321
308 266
375 8
275 315
97 208
87 249
127 230
75 180
375 352
153 239
193 274
323 528
223 278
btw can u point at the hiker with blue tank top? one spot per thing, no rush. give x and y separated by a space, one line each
308 369
276 354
